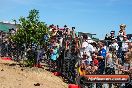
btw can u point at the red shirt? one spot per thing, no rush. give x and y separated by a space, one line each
95 62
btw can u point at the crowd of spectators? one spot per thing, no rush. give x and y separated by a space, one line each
113 55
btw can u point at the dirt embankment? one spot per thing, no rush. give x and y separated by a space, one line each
13 76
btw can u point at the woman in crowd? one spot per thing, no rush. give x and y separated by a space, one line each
126 68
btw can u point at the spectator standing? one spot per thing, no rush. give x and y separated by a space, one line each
127 67
130 46
114 45
111 38
101 57
120 37
124 47
87 48
109 65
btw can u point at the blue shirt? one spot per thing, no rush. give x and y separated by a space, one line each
55 54
102 52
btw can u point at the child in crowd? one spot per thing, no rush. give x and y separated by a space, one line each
54 52
94 63
83 65
110 63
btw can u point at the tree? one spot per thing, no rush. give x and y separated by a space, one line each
95 39
30 30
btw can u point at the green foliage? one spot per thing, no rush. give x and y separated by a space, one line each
31 58
95 39
31 29
30 62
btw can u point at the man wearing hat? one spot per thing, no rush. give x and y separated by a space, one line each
111 37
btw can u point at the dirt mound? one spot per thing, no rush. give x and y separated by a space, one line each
13 76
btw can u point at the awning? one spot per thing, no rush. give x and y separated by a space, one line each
4 27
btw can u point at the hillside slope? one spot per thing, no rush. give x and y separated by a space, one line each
13 76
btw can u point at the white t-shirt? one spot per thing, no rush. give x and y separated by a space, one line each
84 44
88 49
115 45
120 34
61 41
125 46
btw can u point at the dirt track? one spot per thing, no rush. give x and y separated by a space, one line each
15 77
